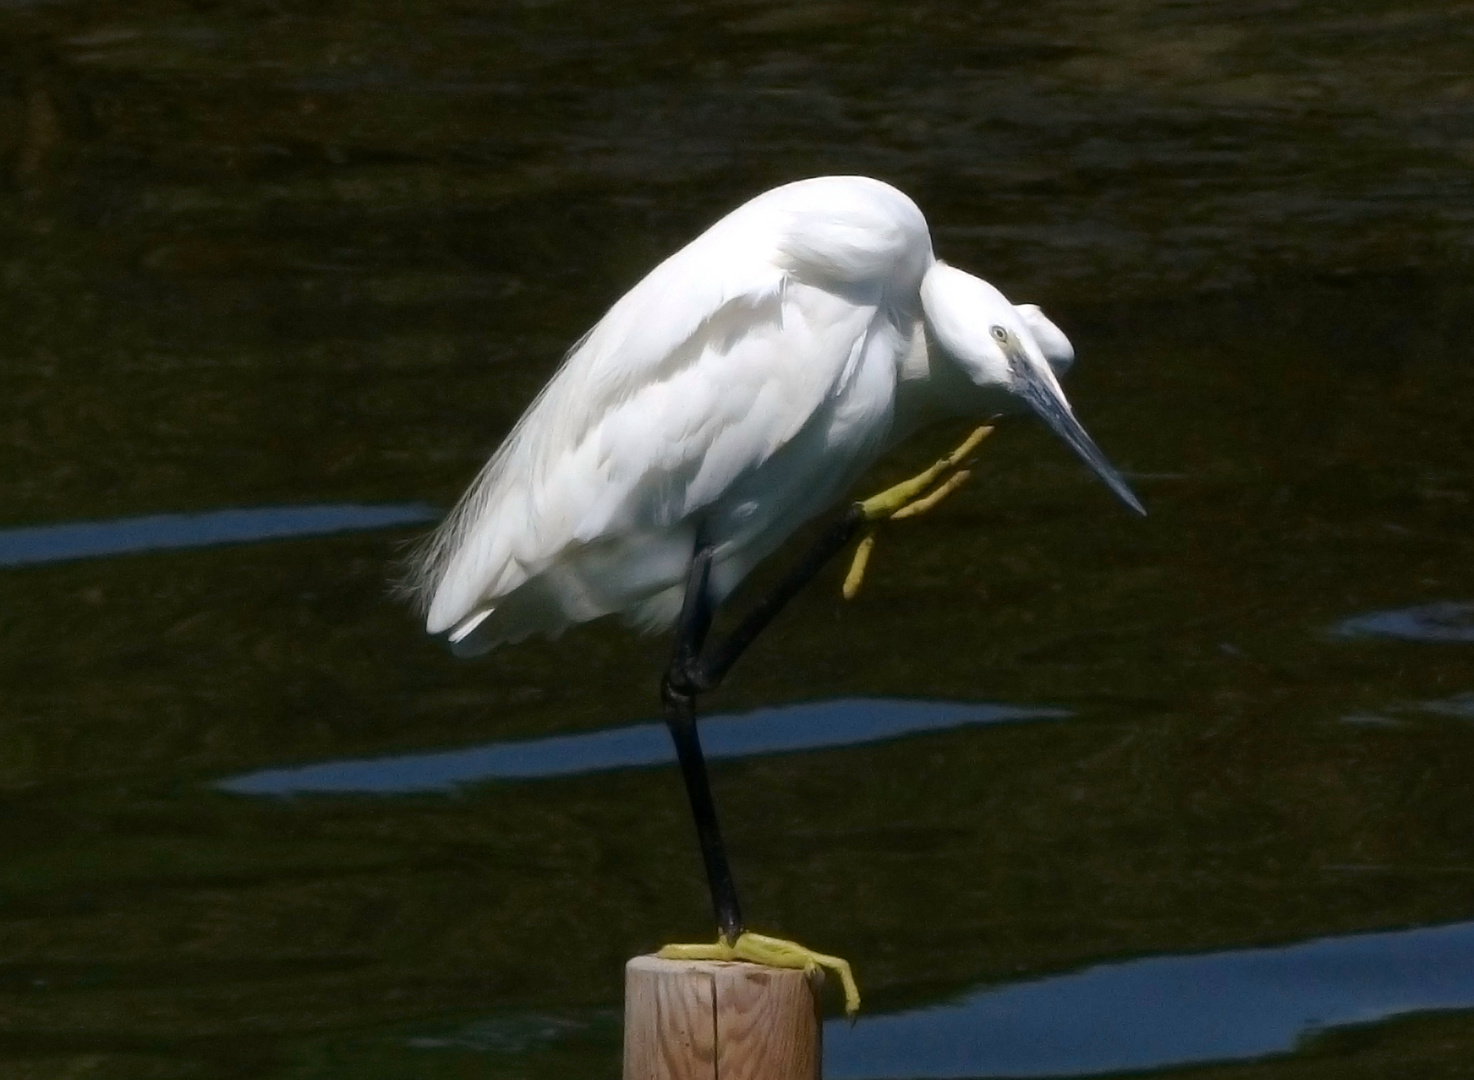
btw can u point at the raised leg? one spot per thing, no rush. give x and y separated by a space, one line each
708 672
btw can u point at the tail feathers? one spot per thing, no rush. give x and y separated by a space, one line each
488 627
508 623
462 630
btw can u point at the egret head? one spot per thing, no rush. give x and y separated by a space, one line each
1013 354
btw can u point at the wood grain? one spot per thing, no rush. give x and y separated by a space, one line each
713 1020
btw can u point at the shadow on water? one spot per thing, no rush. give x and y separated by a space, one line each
164 532
779 730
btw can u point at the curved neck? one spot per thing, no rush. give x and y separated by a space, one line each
931 387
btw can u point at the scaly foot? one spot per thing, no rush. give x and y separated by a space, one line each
772 952
905 500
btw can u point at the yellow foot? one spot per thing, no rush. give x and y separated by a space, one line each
773 952
906 500
856 577
893 499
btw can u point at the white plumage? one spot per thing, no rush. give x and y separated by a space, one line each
735 392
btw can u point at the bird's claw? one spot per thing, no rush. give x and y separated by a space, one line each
905 500
856 577
772 952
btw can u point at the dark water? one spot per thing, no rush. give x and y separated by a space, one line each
319 260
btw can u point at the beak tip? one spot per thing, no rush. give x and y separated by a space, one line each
1051 407
1124 493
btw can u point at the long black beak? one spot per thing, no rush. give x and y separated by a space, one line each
1054 411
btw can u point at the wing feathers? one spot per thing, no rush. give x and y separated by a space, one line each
698 375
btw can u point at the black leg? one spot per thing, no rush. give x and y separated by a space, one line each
690 674
679 697
681 719
684 674
708 673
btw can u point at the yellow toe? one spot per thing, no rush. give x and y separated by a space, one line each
775 952
772 952
719 950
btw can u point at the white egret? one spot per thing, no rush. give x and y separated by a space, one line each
732 395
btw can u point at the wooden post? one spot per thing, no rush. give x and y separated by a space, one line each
713 1020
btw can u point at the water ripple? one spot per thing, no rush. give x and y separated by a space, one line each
160 532
1164 1010
779 730
1441 622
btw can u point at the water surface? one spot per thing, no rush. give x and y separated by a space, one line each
260 257
1163 1011
785 729
167 532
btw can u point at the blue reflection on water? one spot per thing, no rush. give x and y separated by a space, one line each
784 729
1460 706
157 532
1443 621
1161 1011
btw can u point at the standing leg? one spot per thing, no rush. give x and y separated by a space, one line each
688 675
679 697
682 677
682 724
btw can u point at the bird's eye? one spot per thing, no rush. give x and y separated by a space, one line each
1000 334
